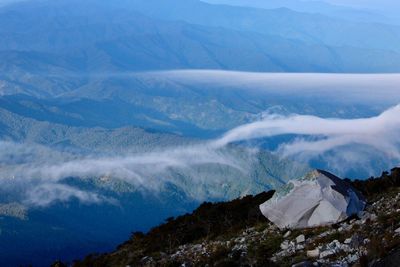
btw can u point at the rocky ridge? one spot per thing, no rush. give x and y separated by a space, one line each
366 239
344 244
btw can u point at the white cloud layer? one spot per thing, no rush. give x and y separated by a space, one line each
340 143
380 132
356 88
45 194
39 172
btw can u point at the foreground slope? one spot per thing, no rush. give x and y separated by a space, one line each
236 234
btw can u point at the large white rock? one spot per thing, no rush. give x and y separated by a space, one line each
319 198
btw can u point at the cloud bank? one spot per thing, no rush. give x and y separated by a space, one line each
341 143
357 88
39 172
380 132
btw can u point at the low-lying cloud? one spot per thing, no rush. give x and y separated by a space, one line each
380 132
342 144
46 193
355 88
39 172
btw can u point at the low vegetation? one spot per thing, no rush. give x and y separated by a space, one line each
212 235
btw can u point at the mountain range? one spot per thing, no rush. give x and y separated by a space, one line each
144 35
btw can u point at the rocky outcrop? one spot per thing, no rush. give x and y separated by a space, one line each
319 198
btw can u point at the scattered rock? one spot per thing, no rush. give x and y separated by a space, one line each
287 234
299 247
345 248
300 239
327 253
313 253
285 245
352 258
335 244
347 241
303 264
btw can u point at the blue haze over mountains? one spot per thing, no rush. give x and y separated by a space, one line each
92 81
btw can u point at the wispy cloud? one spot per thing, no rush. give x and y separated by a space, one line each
351 141
39 171
47 193
356 88
380 131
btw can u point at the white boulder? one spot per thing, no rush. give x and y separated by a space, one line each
319 198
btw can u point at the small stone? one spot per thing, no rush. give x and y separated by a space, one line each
346 248
303 264
285 245
299 247
352 258
397 230
287 234
347 241
292 247
313 253
335 243
326 253
300 239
